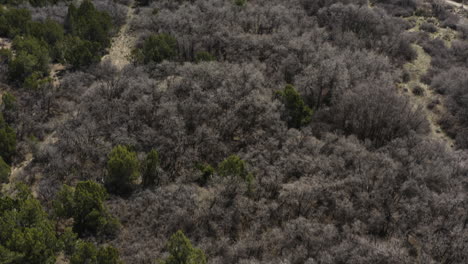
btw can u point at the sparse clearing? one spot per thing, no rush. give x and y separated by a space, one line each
420 93
455 4
263 131
459 9
119 54
122 44
18 170
5 43
445 34
55 69
425 95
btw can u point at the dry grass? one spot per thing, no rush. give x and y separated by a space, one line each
416 70
5 43
122 44
119 55
445 34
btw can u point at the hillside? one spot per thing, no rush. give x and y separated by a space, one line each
233 131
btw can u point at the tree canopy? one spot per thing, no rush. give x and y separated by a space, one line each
85 204
26 233
5 171
122 170
181 251
150 175
90 254
156 48
7 140
298 114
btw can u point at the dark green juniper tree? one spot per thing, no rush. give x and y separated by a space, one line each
7 140
122 170
156 48
181 251
26 233
5 171
85 204
150 175
298 114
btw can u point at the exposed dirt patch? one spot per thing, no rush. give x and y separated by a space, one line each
18 170
459 9
455 4
119 55
5 43
444 33
422 96
55 71
122 44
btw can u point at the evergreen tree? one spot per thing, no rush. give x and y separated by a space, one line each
64 203
207 172
48 31
69 241
204 56
156 48
32 58
89 34
298 113
69 23
26 233
21 67
5 56
150 174
51 33
234 166
182 252
108 255
8 102
85 204
122 170
93 25
7 140
88 253
87 23
79 52
14 21
9 107
85 252
4 171
240 2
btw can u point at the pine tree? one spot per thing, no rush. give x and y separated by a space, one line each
156 48
298 114
182 252
122 169
7 140
85 204
27 234
4 171
151 169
